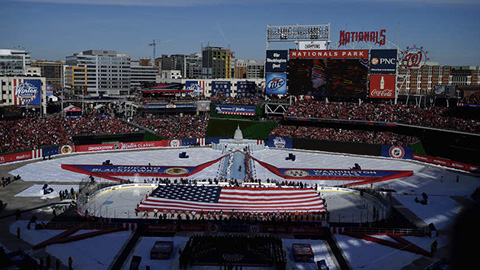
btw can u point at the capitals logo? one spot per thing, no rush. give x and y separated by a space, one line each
27 92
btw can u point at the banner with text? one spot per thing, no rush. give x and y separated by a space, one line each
382 86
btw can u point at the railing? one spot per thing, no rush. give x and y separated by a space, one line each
89 225
403 231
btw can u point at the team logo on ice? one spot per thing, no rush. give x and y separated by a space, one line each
176 171
297 173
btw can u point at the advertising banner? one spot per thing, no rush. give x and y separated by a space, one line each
279 142
399 152
221 88
328 77
321 54
276 84
276 61
49 91
440 90
235 110
198 87
1 91
383 61
382 86
312 45
245 89
124 146
20 156
27 92
447 163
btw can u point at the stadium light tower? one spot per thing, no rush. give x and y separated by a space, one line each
296 33
154 45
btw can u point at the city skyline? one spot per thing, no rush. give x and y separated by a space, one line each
53 29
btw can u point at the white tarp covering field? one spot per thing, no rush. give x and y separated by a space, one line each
98 252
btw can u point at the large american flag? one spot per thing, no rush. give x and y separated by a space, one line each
239 199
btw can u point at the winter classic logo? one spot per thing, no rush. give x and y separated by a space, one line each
27 92
396 152
279 142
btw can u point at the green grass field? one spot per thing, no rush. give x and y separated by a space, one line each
250 129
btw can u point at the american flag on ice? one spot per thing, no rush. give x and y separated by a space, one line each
239 199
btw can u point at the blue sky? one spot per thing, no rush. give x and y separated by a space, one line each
53 29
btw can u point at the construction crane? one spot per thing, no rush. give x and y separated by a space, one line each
154 44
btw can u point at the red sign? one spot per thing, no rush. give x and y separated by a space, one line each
382 86
321 54
123 146
16 156
377 37
414 58
446 162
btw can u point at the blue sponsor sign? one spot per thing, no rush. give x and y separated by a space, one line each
276 61
245 89
399 152
279 142
235 110
276 84
221 88
303 173
383 61
29 92
195 87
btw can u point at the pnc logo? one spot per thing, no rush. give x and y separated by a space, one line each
374 61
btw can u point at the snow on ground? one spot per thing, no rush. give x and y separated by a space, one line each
319 248
37 191
439 210
51 171
145 244
438 183
92 253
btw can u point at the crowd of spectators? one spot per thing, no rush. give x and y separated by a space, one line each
435 117
344 135
175 126
34 133
474 98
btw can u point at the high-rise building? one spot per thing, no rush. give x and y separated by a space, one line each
240 69
13 62
108 73
52 71
217 62
255 69
75 80
142 74
423 81
193 66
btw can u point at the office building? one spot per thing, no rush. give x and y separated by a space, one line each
108 73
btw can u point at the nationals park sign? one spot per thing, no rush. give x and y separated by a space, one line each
319 54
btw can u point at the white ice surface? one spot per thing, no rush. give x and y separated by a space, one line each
438 183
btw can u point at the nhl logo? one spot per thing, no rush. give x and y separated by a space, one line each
397 152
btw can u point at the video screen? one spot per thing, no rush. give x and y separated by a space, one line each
328 77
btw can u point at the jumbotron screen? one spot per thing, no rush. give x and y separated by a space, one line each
328 77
